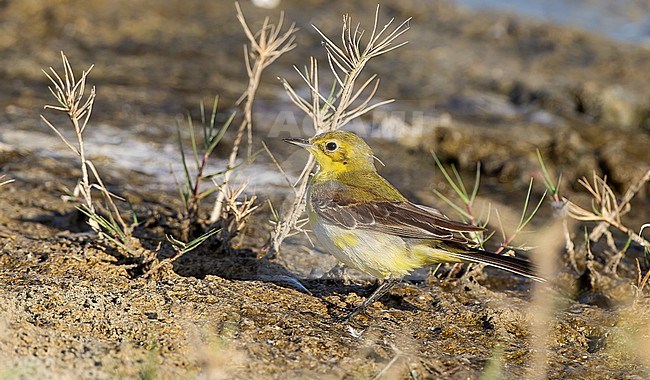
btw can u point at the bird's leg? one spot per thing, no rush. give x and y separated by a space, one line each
338 272
377 294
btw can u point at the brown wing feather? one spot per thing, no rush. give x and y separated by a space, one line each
400 218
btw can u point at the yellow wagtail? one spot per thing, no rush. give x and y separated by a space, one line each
360 218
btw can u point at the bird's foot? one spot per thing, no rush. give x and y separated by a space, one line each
338 272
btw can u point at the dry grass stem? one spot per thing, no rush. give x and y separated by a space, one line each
606 209
265 47
70 94
277 165
641 281
612 264
7 181
238 205
568 245
544 305
590 260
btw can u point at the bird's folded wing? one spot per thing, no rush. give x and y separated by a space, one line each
403 219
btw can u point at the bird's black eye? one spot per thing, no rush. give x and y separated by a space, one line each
331 146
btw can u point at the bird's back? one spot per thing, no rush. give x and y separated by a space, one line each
355 187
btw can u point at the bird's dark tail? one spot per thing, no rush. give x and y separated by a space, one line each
452 252
508 263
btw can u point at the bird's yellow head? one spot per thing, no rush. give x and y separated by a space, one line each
338 151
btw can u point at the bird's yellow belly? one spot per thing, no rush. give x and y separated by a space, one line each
377 254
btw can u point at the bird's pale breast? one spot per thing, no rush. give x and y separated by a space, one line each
375 253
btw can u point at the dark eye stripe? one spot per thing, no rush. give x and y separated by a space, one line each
331 146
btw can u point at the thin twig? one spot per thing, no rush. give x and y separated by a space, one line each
266 46
7 181
280 169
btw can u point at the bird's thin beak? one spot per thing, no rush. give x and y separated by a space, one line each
303 143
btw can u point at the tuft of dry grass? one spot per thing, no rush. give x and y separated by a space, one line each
264 48
545 303
238 207
70 94
641 281
607 210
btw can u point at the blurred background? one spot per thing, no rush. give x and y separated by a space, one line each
479 80
488 81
